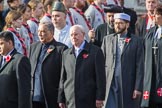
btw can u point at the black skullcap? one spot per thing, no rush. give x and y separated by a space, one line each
112 8
59 6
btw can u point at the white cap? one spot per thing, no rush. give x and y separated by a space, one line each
122 16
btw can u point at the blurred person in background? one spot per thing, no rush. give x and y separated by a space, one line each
1 9
131 13
95 13
25 31
37 12
106 28
146 22
13 24
48 11
12 5
69 4
152 89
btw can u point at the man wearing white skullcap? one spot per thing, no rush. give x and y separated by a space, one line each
124 65
122 16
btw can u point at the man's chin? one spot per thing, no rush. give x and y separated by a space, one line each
42 41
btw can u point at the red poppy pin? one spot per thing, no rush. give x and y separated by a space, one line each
159 92
8 58
85 56
146 95
127 40
49 50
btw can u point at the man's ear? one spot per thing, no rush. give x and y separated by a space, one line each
128 25
10 43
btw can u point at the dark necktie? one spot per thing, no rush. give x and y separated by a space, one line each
43 52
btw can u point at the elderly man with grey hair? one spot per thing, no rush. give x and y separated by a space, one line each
45 57
82 83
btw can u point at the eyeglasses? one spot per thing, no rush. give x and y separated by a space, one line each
119 23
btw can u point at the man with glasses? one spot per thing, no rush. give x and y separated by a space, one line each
123 64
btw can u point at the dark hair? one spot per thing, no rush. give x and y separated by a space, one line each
46 3
22 8
33 4
1 1
158 9
10 1
7 36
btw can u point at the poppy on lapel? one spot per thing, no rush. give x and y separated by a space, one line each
85 56
127 40
49 50
8 58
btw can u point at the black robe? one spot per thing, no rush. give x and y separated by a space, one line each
152 78
141 26
101 31
133 16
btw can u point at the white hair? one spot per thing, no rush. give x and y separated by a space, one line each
77 26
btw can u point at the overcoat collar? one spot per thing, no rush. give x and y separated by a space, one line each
85 49
52 46
5 63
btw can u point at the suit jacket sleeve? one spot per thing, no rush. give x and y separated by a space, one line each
139 66
100 75
23 74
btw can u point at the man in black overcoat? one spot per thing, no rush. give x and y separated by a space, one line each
15 75
82 83
46 57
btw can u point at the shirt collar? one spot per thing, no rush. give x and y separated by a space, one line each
9 53
62 30
81 46
122 36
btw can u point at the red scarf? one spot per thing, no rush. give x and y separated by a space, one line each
20 39
29 32
71 20
116 2
48 15
147 18
34 20
100 10
82 14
